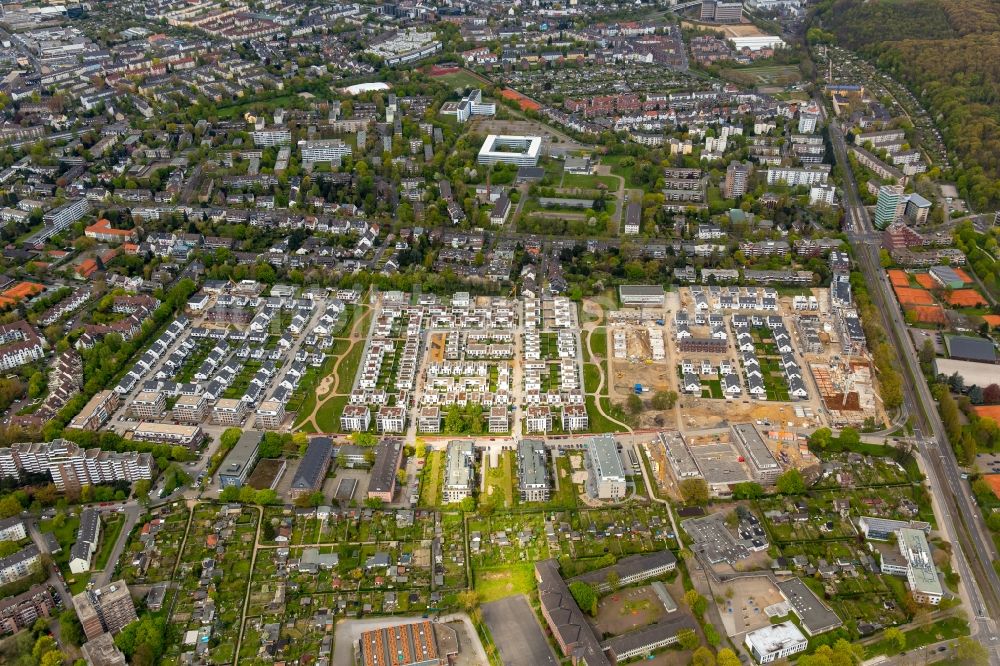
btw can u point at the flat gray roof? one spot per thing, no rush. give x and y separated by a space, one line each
815 616
718 463
758 453
603 454
458 465
241 454
531 456
684 464
640 290
970 349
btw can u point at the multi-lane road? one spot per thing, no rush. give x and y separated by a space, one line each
957 512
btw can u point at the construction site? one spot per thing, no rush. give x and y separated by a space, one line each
721 459
848 393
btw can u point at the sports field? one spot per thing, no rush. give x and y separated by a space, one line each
773 75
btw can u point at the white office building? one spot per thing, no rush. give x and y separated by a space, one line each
774 642
506 149
472 105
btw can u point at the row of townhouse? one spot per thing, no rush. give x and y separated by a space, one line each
68 305
692 373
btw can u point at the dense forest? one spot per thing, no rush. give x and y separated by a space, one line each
948 53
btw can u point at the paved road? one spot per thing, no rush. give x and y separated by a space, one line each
132 512
973 552
55 579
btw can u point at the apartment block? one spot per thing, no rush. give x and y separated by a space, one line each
190 408
229 412
72 467
21 611
148 405
107 609
532 471
605 472
270 414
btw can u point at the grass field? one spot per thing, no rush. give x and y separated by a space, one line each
589 181
599 424
349 367
498 583
626 172
599 342
712 388
565 495
65 535
430 482
304 399
945 629
591 378
500 482
775 75
110 529
328 418
460 79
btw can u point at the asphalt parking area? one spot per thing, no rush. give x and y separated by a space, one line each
517 634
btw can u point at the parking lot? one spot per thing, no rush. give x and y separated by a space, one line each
517 634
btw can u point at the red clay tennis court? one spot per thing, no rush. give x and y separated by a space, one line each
929 314
912 296
899 278
926 281
525 103
992 320
994 481
962 275
991 412
966 298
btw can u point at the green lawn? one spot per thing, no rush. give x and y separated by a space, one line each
565 496
591 378
500 483
430 483
945 629
626 172
328 417
599 424
349 368
65 535
498 583
589 181
305 394
775 75
712 388
599 341
110 531
460 79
